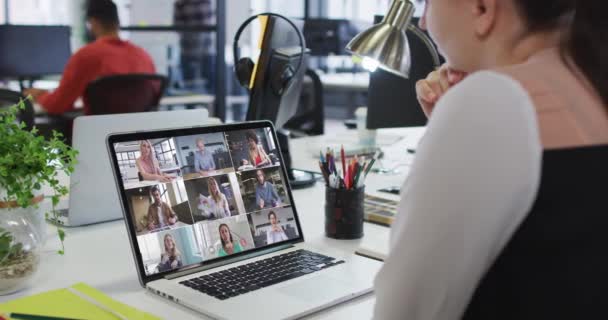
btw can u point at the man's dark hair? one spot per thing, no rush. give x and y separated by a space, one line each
105 11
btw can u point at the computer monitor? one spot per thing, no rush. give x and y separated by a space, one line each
389 93
33 51
280 48
328 36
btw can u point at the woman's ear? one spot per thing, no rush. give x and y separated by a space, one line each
484 15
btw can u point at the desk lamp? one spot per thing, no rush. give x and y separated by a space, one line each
385 45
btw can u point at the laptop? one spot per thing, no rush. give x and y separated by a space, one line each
224 238
92 173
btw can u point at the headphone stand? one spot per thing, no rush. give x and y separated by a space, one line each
298 179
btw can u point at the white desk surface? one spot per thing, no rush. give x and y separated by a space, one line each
100 255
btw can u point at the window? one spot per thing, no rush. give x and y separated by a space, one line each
363 10
127 160
163 193
150 248
2 13
165 153
41 12
201 236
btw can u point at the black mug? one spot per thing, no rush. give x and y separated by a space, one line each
344 213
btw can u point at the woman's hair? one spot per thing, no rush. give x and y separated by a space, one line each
215 197
586 42
174 252
219 229
271 213
141 145
250 134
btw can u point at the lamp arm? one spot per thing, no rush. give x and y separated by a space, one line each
428 42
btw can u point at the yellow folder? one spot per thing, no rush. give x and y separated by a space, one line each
63 303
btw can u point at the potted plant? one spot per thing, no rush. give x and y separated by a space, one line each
28 162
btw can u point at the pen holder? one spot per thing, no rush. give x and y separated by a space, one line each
344 213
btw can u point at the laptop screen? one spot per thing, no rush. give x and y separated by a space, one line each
197 195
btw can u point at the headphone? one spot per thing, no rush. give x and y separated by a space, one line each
243 67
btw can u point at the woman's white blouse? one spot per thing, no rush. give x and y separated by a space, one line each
474 179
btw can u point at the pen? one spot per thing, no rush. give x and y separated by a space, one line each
343 161
23 316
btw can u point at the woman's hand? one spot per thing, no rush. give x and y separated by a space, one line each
229 248
164 179
435 85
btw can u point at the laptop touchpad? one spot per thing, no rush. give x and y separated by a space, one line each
315 289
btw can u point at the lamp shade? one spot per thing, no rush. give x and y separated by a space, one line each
386 42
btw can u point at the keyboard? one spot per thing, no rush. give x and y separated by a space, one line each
263 273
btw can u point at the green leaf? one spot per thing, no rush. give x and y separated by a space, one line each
28 161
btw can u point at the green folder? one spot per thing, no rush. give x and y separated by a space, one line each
64 304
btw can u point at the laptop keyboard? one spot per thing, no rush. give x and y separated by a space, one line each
257 275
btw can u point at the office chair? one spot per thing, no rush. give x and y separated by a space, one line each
554 266
389 92
309 119
9 98
125 93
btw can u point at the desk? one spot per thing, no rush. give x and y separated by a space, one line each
100 255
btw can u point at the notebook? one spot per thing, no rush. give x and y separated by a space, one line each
65 304
374 246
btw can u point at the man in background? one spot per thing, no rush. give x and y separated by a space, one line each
197 47
107 55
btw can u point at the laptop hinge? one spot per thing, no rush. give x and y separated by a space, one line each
226 262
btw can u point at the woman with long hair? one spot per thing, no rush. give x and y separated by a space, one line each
215 206
171 258
147 164
257 155
229 246
522 76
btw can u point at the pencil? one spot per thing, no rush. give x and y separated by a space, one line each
22 316
343 161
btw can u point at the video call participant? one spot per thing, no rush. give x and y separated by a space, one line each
160 214
276 233
257 155
215 206
229 246
171 258
108 55
203 159
148 165
266 195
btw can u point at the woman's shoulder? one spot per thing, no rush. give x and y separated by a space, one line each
485 105
485 91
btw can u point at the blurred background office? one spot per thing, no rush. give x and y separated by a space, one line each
190 42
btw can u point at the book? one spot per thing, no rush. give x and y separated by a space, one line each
379 210
64 303
374 247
